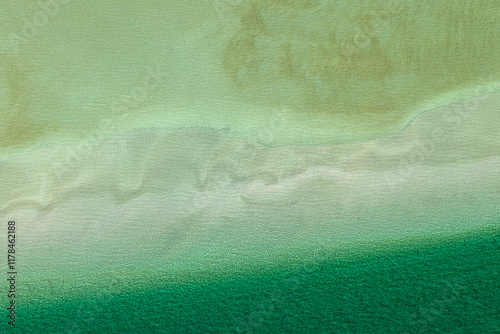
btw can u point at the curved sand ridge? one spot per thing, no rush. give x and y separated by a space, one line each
191 201
366 67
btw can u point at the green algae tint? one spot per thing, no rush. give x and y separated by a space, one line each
335 71
418 290
253 166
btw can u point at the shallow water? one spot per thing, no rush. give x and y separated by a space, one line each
156 147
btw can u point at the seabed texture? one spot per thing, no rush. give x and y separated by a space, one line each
251 166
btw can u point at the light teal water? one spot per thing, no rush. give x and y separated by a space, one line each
449 287
337 71
172 166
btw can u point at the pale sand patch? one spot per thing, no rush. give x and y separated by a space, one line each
196 200
103 192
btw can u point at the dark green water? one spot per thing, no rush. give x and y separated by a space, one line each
446 288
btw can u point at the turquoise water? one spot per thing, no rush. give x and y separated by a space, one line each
445 288
172 166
